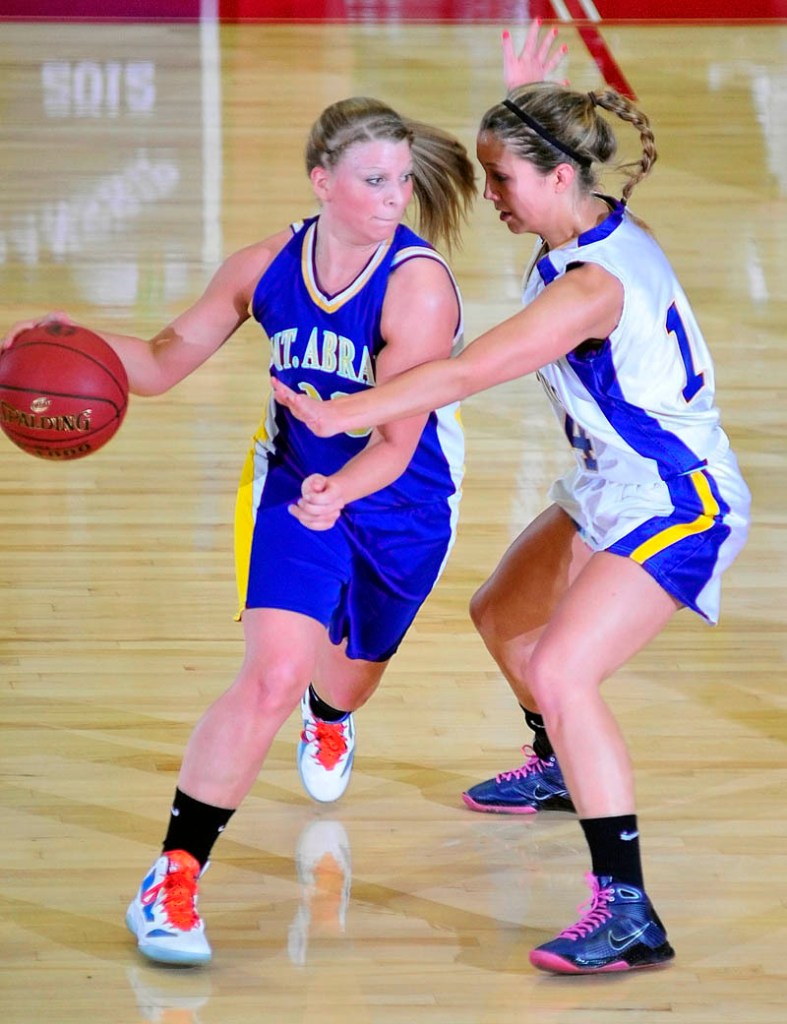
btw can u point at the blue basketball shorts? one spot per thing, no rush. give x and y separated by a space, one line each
364 579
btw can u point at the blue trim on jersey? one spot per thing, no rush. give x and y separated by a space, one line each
641 431
546 270
611 223
608 225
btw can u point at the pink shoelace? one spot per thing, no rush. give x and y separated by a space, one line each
594 910
533 764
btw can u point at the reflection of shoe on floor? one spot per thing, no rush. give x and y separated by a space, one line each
163 915
322 860
325 754
169 997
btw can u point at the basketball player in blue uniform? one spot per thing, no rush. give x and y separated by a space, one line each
647 520
339 542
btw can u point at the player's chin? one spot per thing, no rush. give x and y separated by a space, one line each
516 227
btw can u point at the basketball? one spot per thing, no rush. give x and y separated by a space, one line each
63 391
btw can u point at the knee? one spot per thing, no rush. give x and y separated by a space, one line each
272 690
482 611
548 684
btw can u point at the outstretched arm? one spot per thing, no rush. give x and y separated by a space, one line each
154 366
537 59
586 303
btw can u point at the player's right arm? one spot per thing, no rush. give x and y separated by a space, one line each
155 366
587 303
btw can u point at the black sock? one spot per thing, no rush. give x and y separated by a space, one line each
614 847
194 826
322 710
541 742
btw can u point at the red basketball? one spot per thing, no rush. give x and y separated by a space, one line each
63 391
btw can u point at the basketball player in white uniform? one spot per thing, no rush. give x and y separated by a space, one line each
653 512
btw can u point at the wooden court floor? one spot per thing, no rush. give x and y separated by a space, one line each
131 161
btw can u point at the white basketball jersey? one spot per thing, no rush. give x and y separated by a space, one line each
637 406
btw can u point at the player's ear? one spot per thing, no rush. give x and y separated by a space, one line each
564 175
320 180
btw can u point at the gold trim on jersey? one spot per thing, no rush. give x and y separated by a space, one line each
673 534
318 297
420 250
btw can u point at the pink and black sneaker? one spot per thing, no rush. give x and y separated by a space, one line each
536 786
620 931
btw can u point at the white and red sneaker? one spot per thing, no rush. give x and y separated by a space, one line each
325 754
163 915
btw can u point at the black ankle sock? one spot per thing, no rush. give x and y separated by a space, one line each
614 847
194 826
322 710
541 742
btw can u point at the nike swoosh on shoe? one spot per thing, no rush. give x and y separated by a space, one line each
621 942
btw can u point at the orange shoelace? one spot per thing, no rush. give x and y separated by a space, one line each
331 744
180 890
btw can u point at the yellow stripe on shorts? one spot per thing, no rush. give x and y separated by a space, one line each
673 534
244 519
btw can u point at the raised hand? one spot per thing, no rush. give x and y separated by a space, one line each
537 59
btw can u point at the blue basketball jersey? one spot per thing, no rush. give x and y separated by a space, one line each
327 345
366 577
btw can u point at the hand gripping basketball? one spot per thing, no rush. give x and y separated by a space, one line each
63 390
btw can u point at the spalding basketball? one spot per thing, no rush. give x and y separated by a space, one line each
63 391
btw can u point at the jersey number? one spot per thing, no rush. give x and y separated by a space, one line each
694 380
577 438
312 392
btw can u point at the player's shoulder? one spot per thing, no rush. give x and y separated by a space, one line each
244 268
261 254
415 258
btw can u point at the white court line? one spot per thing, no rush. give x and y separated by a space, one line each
212 164
561 10
590 9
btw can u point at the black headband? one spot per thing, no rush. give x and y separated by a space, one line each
539 129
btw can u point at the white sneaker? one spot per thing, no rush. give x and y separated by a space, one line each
163 915
325 754
322 859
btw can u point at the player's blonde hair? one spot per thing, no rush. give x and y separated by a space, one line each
443 175
572 131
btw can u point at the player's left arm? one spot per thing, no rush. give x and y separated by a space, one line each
419 320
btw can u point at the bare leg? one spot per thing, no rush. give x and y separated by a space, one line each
512 608
345 683
559 620
609 613
229 743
